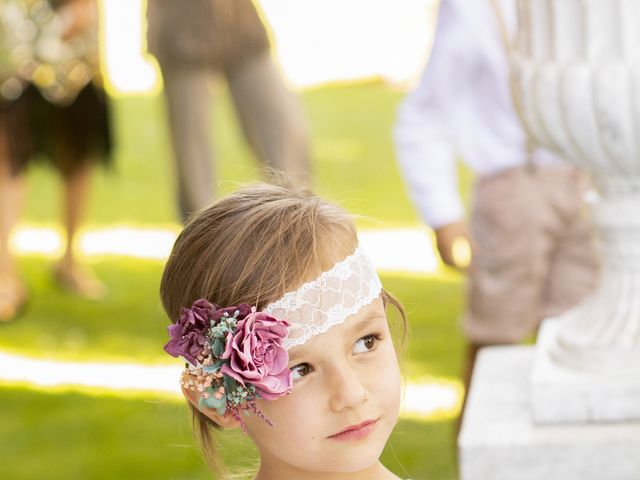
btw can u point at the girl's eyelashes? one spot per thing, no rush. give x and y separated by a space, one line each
363 345
300 370
366 343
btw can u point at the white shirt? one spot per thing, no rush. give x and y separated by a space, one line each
461 107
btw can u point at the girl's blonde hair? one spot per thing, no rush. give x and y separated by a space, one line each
253 246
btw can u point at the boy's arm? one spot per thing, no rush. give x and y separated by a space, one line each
426 129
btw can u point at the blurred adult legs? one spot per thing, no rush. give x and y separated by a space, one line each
270 115
12 193
271 118
188 106
12 190
68 272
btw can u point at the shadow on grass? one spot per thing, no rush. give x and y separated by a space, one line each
73 436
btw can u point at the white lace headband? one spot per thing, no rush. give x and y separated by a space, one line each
328 300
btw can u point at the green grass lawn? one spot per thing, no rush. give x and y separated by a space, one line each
71 435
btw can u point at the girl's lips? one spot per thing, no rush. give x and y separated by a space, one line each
356 432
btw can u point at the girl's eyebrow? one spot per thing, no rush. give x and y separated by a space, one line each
292 358
365 322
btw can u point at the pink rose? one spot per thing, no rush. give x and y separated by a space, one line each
256 355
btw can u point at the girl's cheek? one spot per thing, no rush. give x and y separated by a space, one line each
387 360
284 407
389 369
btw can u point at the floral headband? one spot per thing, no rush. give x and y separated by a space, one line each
237 354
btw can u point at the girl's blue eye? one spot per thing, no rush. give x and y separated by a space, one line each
366 343
300 370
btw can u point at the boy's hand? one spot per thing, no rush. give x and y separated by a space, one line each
454 245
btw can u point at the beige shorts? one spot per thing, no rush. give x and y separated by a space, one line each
535 252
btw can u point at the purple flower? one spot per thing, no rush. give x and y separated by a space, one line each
189 333
256 355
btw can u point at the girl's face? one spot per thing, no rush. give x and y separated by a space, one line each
344 403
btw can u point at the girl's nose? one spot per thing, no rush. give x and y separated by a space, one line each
346 389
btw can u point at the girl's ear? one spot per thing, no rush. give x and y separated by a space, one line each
225 421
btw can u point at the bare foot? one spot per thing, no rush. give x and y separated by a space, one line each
79 280
13 296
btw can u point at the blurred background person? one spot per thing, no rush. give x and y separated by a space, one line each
51 105
194 40
532 249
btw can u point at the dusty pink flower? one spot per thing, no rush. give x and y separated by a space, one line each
256 355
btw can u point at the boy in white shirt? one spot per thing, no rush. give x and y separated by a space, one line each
532 248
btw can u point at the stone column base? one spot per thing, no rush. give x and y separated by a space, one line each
500 441
563 395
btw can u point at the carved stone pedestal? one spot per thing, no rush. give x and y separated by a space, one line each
564 395
576 82
500 441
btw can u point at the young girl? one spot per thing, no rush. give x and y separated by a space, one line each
281 319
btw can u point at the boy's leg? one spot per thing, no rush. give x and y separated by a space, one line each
510 227
271 118
509 264
471 354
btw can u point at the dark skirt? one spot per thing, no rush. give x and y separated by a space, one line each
68 136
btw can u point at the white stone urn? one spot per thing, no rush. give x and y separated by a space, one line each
576 80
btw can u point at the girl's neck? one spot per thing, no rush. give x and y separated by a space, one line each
375 472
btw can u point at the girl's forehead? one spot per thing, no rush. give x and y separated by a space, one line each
367 317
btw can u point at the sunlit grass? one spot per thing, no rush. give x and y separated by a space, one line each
123 240
433 398
391 250
428 399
